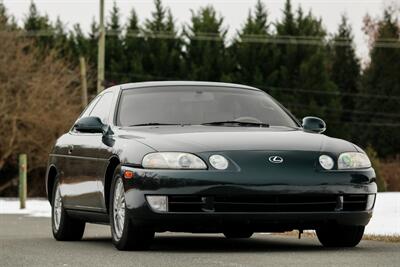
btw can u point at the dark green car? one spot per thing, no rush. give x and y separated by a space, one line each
205 157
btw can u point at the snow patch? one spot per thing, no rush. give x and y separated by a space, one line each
386 217
385 220
34 207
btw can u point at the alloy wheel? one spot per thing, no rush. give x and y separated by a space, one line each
119 208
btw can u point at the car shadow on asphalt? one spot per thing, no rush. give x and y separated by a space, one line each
218 244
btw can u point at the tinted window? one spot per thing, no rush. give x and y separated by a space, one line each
197 105
89 107
102 108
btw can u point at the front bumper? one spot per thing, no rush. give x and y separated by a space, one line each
207 185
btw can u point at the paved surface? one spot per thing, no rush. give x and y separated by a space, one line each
27 241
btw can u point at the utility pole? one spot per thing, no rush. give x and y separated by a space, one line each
101 54
84 81
23 168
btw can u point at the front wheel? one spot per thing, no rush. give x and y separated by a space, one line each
340 236
64 227
125 234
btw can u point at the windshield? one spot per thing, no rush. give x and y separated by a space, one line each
198 105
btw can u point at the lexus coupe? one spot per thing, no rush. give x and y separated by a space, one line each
207 158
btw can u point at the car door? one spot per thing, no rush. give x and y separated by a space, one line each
83 167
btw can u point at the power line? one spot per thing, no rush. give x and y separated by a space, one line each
270 88
336 93
255 39
290 105
375 124
353 111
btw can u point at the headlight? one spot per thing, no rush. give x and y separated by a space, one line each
172 160
219 162
353 160
326 162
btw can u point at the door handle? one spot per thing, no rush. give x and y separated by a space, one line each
70 148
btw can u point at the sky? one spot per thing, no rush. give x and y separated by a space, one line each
233 11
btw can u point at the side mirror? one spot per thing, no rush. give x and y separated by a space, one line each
90 125
314 124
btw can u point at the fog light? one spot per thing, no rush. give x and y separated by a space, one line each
219 162
370 202
326 162
158 203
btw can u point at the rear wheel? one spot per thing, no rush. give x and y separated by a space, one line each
125 234
238 234
64 227
340 236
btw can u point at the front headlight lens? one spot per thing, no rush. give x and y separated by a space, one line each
353 160
172 160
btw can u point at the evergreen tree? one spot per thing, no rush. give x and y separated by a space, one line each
288 24
345 73
382 78
288 64
78 42
114 48
304 83
93 42
206 57
39 27
61 39
134 50
256 57
163 46
87 47
3 17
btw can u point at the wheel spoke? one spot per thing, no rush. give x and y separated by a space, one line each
57 208
119 208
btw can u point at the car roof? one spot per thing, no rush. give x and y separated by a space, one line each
184 83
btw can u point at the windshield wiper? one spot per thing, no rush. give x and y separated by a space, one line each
239 123
153 124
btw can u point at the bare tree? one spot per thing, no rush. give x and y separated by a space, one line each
39 99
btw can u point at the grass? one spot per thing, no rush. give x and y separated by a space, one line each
384 238
311 234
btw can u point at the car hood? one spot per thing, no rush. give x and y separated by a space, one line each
215 138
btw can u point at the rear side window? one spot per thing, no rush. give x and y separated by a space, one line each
103 107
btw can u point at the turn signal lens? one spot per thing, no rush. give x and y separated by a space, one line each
128 174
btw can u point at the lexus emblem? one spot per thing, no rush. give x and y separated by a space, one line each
275 159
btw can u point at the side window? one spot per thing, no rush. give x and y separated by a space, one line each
89 107
102 108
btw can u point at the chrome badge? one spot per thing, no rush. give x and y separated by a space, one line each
275 159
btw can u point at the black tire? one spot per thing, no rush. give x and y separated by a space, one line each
340 236
133 237
232 235
69 228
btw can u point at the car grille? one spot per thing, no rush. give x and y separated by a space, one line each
269 203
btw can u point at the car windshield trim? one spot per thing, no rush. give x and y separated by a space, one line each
238 123
156 124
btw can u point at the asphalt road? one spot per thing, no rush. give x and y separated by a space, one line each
27 241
